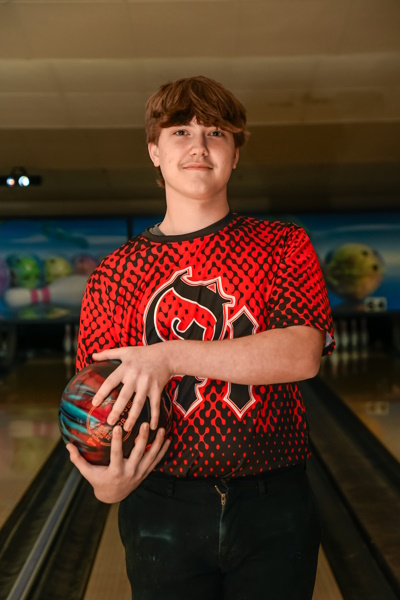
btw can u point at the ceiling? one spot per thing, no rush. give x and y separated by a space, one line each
320 80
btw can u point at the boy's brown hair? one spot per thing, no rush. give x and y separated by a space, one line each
178 102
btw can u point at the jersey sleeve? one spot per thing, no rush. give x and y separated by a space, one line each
298 295
96 328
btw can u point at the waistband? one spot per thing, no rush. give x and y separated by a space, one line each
258 483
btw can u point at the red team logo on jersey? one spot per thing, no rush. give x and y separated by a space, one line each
186 309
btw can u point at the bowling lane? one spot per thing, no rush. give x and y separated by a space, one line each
369 383
29 397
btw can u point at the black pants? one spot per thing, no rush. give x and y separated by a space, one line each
184 539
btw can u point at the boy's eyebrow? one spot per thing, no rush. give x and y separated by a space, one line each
193 124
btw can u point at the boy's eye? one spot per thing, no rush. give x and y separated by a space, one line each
217 133
180 132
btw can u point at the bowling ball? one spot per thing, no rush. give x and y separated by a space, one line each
56 267
26 271
85 425
353 271
85 264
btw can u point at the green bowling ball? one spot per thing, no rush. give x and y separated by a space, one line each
26 271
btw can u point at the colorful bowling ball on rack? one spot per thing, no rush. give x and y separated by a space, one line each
85 425
26 271
85 264
56 267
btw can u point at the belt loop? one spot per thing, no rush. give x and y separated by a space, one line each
170 488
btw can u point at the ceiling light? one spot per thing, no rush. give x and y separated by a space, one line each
19 177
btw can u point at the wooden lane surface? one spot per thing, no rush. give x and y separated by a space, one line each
369 383
29 398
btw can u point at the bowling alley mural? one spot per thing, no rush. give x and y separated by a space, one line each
360 257
44 265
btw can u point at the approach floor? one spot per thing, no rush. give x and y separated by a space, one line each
29 398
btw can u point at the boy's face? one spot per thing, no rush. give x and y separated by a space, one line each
196 161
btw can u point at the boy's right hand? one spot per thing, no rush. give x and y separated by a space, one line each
116 481
144 371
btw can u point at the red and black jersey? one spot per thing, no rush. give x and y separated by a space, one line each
237 277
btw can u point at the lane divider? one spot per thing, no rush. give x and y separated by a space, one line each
40 550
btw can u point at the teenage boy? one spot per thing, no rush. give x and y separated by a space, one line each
227 313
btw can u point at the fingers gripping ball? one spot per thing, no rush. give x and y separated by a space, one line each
85 425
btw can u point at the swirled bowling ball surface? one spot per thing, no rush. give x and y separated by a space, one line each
85 425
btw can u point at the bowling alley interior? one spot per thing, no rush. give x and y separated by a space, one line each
321 84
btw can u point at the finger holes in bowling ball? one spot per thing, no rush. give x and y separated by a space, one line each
85 425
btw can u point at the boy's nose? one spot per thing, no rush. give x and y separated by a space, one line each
199 146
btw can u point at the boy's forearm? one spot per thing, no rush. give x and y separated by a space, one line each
274 356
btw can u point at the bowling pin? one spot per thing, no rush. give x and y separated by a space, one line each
67 341
334 363
364 338
336 335
66 292
344 340
3 344
333 359
344 334
354 344
76 335
69 366
353 334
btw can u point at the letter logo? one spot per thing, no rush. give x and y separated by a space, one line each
184 308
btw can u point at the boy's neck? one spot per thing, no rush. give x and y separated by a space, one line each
192 218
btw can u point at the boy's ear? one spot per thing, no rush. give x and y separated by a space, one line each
235 158
153 152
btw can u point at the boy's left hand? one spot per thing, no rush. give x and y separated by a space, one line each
116 481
